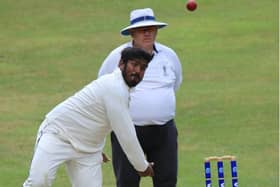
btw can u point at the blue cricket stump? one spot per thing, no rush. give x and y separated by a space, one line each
220 169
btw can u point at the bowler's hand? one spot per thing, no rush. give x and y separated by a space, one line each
105 158
148 172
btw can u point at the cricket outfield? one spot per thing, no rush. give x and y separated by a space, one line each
228 102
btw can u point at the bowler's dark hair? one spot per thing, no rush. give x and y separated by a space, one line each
132 53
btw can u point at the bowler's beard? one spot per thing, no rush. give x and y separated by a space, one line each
134 77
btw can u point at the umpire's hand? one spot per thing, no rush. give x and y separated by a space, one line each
148 172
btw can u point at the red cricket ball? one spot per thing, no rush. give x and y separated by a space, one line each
191 5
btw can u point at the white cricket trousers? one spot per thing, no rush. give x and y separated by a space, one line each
83 169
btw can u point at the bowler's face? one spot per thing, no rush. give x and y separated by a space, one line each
134 71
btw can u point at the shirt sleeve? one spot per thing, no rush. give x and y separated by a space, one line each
177 69
121 123
109 64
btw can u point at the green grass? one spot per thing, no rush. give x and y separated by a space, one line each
228 102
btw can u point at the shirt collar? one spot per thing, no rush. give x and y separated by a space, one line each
155 49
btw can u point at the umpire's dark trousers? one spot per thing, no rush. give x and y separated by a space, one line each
159 143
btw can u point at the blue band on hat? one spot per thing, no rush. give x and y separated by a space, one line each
143 18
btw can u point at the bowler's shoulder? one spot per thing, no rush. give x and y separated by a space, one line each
107 80
112 83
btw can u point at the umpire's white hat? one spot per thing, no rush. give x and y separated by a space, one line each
142 18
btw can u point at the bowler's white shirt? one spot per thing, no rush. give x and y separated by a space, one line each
87 117
153 99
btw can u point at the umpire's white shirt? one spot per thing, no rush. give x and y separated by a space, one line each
153 99
88 116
